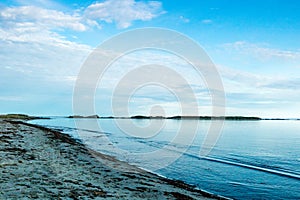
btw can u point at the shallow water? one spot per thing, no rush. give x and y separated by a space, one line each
251 159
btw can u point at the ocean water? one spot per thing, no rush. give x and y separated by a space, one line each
250 160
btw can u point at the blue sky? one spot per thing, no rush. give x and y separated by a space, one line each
254 44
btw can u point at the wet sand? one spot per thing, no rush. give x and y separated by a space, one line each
37 162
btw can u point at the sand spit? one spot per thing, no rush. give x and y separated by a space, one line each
37 162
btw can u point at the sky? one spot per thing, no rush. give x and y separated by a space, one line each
255 46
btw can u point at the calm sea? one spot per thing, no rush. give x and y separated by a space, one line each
251 159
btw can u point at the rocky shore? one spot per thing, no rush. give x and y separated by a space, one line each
37 162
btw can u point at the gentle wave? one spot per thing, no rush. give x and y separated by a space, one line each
268 168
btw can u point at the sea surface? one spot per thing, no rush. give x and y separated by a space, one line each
250 160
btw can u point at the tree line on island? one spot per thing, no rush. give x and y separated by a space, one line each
234 118
173 117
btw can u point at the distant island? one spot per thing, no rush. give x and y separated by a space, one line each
20 117
216 118
198 117
178 117
80 116
147 117
173 117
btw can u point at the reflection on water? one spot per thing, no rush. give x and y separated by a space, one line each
252 159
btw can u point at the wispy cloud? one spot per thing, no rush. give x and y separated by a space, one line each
40 58
259 95
24 17
11 98
286 84
35 34
31 23
176 84
184 19
260 51
206 21
123 12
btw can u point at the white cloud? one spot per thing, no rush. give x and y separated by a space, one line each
25 17
184 19
38 61
41 62
30 47
11 98
260 51
259 95
244 81
206 21
36 25
123 12
133 69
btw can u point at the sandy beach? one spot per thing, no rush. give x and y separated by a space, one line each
37 162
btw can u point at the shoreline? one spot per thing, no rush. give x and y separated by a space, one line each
91 173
